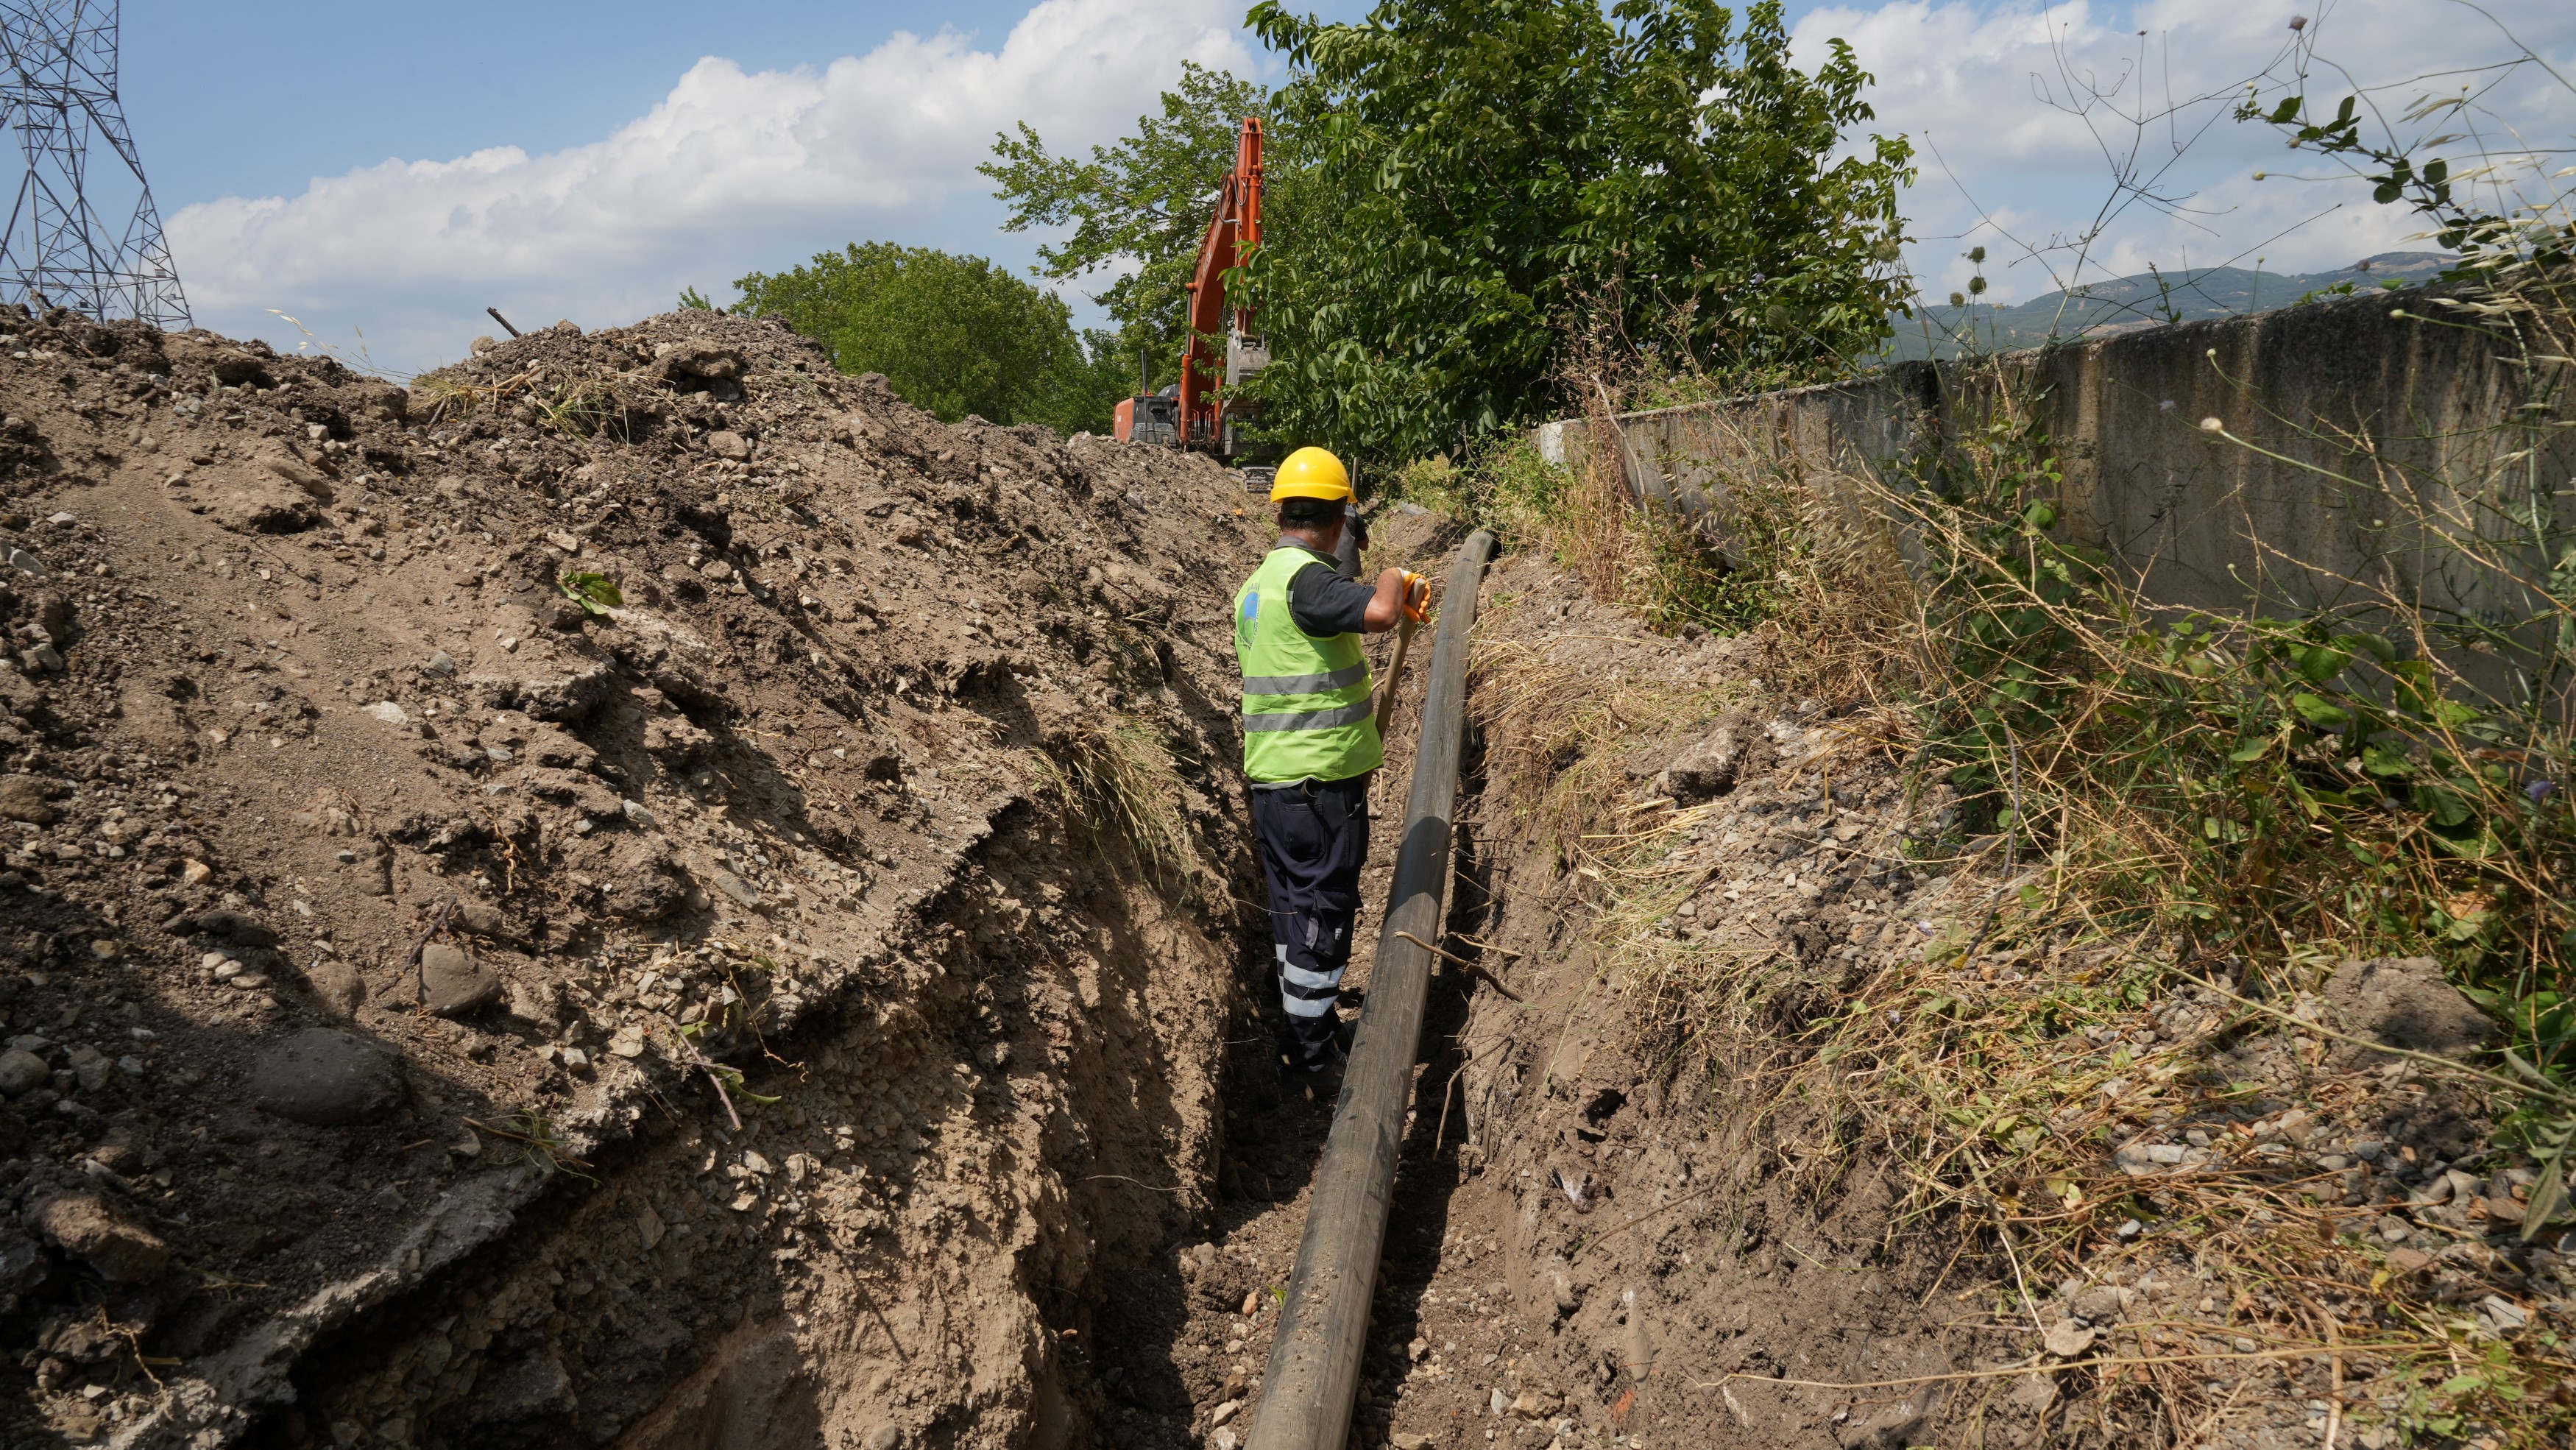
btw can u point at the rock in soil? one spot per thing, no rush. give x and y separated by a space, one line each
338 985
21 1070
1710 765
24 798
91 1228
2067 1338
457 984
326 1078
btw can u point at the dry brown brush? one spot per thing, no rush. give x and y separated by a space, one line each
2161 833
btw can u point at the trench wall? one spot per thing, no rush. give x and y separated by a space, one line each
2380 440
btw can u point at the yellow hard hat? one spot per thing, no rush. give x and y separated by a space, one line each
1310 473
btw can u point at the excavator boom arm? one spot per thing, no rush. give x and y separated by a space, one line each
1234 231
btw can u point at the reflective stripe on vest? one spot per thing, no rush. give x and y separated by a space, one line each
1312 719
1303 684
1307 711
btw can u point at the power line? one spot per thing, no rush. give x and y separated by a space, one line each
58 93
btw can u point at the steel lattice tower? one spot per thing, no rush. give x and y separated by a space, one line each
58 91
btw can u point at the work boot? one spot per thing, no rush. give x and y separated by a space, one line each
1319 1082
1316 1086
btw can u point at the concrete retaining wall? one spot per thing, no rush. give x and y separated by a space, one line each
2381 440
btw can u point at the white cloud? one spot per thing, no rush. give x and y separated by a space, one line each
1985 82
731 171
734 171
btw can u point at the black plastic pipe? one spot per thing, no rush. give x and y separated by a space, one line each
1314 1373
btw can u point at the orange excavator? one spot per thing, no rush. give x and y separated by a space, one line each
1195 413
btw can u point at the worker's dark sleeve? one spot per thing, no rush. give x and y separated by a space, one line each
1354 542
1325 604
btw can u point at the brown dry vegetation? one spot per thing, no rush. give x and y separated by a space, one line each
2138 1175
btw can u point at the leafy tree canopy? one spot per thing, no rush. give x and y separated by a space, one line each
1470 199
1138 209
1480 192
955 335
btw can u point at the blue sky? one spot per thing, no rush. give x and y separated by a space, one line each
339 85
392 169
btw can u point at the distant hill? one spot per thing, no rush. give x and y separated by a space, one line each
2127 304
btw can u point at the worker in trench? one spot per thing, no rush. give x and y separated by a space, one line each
1310 743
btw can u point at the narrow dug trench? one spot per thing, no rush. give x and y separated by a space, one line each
919 1239
1645 1199
641 892
964 1303
1584 1242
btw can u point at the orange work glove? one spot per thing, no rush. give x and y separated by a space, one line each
1417 597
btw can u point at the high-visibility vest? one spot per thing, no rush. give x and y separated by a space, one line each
1306 706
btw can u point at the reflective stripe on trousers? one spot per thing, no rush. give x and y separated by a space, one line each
1304 992
1313 838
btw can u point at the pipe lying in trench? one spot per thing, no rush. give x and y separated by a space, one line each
1315 1357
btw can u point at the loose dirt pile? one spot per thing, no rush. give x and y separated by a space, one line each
565 903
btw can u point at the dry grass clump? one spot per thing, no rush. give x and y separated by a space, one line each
1119 781
577 407
1600 532
1846 612
1679 574
1558 731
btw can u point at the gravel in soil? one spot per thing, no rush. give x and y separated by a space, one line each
545 887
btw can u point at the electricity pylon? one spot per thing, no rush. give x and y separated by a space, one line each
58 93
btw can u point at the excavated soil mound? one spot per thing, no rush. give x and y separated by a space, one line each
596 898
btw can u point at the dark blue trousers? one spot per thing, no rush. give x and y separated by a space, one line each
1314 840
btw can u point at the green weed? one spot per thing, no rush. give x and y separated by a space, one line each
595 593
535 1140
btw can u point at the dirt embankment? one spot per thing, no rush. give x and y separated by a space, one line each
432 816
1636 1216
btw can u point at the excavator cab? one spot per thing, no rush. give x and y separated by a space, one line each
1149 418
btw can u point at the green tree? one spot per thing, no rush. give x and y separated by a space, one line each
954 335
1465 186
1467 199
1082 393
1140 207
